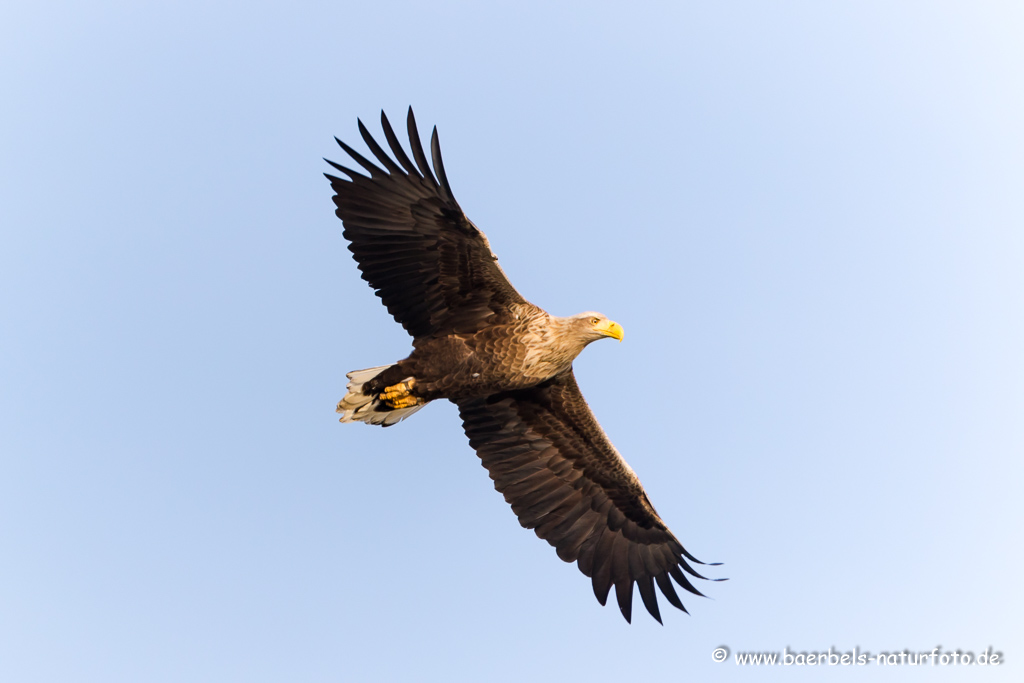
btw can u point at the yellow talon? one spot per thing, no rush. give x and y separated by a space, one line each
404 402
398 396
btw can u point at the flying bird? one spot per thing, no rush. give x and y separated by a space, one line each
506 364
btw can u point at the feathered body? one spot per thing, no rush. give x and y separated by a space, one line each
506 364
518 354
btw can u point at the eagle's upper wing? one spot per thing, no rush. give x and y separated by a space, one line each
552 461
431 266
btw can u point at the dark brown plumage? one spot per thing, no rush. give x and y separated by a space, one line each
506 364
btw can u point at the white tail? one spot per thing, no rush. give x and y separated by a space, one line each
368 408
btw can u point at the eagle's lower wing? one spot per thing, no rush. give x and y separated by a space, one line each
552 461
430 265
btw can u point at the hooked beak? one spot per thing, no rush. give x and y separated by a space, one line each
610 328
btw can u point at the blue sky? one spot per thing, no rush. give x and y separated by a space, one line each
808 217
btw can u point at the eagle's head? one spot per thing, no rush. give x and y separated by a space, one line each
591 326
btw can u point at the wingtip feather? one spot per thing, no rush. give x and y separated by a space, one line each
435 152
624 596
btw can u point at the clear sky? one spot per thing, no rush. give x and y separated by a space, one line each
808 217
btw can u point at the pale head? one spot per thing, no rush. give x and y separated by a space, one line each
591 326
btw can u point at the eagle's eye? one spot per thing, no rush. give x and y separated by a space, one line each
594 321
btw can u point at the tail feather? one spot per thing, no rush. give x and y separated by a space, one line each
368 407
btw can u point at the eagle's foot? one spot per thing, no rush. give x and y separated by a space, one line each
406 402
400 395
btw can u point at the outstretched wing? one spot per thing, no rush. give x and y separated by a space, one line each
430 265
550 458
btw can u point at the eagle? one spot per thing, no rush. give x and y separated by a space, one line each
506 364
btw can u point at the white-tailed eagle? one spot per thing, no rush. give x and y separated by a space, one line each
506 364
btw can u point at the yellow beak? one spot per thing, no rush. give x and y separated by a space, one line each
610 328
